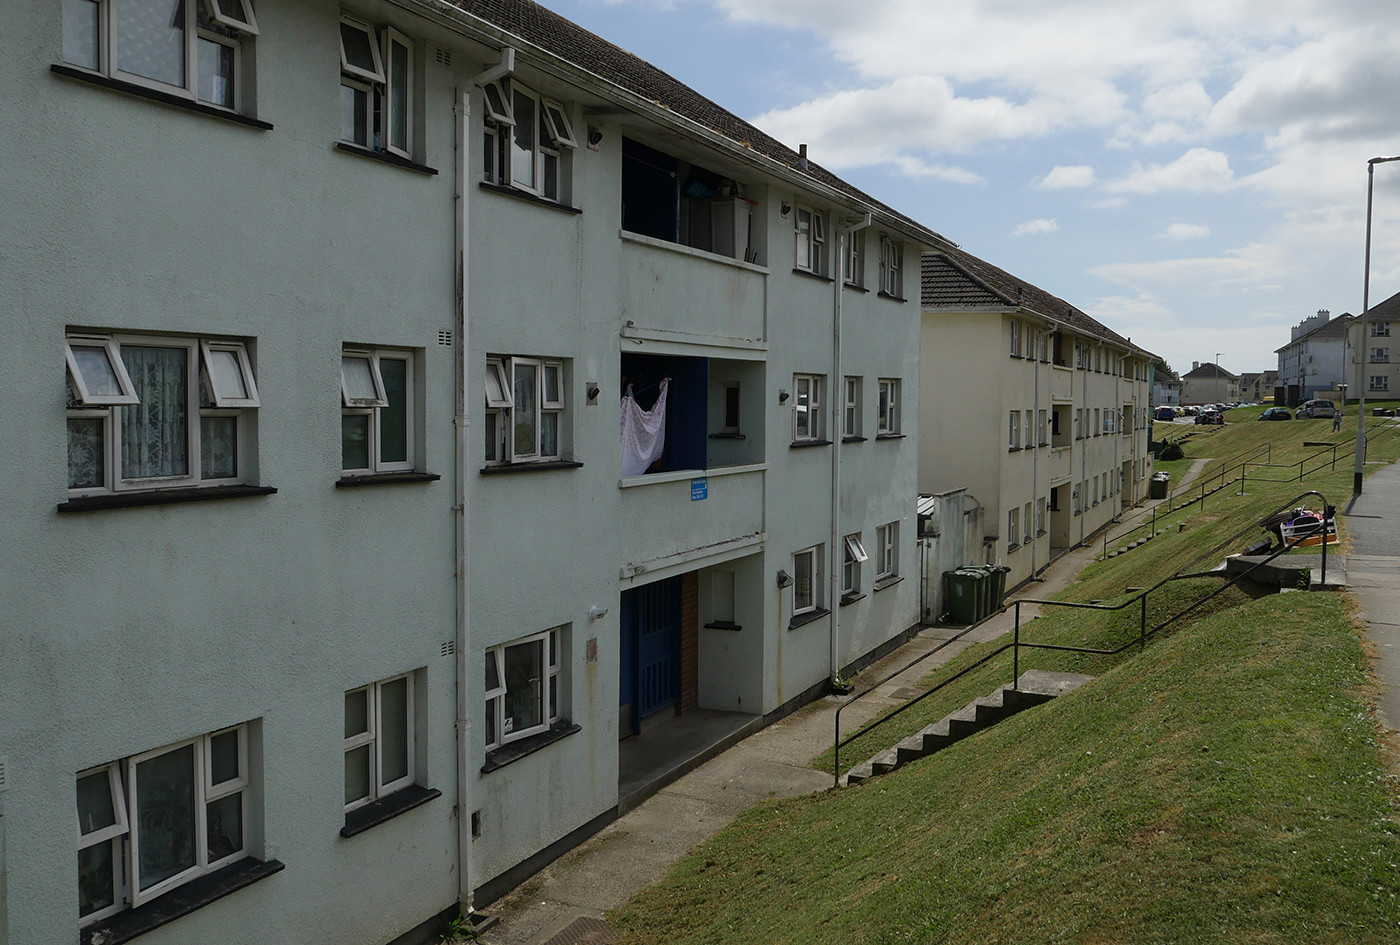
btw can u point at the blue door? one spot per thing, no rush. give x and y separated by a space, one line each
651 652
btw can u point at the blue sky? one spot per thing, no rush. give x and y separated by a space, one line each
1190 172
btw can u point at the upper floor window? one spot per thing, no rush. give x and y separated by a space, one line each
376 87
526 139
376 420
851 411
157 412
1015 338
888 409
1380 329
853 259
191 48
1380 355
807 415
807 580
524 409
809 227
887 551
891 267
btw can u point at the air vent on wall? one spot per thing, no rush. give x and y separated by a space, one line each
445 337
4 777
443 56
449 648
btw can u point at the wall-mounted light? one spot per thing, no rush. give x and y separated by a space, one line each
785 209
783 396
595 612
592 390
595 137
784 579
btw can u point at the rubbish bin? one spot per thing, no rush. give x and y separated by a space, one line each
999 573
1157 485
984 590
961 586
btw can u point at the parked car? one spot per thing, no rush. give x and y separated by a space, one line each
1276 413
1211 416
1166 413
1315 409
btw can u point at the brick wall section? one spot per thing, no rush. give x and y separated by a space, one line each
690 642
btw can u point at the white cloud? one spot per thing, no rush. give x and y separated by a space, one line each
1198 170
1185 231
1068 177
1035 227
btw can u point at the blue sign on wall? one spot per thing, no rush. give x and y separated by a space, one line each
699 489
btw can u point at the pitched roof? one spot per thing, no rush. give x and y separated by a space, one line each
955 279
535 26
1335 326
1209 371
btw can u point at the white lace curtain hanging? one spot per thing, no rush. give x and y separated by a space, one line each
643 432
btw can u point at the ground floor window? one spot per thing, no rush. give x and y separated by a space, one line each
522 687
378 740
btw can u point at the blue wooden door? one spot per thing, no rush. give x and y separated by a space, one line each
651 650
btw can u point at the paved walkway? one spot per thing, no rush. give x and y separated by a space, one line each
564 903
1373 574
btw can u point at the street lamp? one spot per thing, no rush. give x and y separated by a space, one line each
1365 310
1217 377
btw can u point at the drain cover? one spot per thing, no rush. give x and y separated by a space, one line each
585 931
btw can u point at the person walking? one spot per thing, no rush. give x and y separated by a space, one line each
1337 420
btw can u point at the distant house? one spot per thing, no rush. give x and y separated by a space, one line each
1209 383
1316 358
1370 366
1166 390
1257 386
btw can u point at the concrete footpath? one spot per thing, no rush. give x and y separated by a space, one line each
564 904
1372 522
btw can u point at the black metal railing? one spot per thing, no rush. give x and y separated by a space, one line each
1143 635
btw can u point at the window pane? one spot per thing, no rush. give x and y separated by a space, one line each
151 39
525 404
95 809
155 432
165 815
226 374
80 33
96 369
354 441
522 152
215 73
360 388
358 51
549 434
398 96
393 731
491 736
492 434
357 774
225 826
218 447
223 758
551 384
802 582
493 679
95 886
524 689
550 187
356 712
393 419
354 105
86 452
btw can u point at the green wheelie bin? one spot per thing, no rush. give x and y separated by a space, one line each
961 587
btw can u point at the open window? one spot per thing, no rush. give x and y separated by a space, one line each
376 87
526 140
96 372
228 375
377 416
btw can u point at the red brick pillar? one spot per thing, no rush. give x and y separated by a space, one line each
690 641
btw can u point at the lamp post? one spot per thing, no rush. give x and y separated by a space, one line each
1365 310
1217 377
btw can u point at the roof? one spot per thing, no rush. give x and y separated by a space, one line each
1334 326
1209 371
955 279
534 26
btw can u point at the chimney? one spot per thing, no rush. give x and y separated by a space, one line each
802 156
1323 314
1195 364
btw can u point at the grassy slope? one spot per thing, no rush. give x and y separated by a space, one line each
1223 787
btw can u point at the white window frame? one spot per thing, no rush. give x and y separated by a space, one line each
374 407
1042 428
811 411
1380 329
1029 536
1380 355
850 413
810 255
813 603
853 555
1040 517
1015 338
500 410
374 737
552 138
891 267
888 408
1014 430
1013 527
84 405
495 697
886 551
853 260
379 86
1379 382
114 834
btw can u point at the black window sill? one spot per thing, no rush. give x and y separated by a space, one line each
384 156
892 298
385 479
129 500
855 288
885 582
514 751
387 808
847 599
889 436
1013 449
1042 533
722 625
853 439
803 444
505 191
181 901
728 436
801 620
156 95
1011 548
505 468
812 275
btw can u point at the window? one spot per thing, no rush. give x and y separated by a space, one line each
193 50
1013 528
807 581
1380 355
1026 523
887 551
379 752
850 572
1075 499
1078 423
1380 329
522 687
1096 428
524 409
1026 431
1015 338
729 404
1043 345
810 229
156 412
851 413
888 410
1380 382
853 261
891 264
150 823
1041 429
1014 430
807 421
376 87
1040 516
376 421
527 139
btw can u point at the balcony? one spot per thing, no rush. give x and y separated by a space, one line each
681 518
1061 465
1062 383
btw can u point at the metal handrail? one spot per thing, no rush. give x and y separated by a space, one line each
1329 514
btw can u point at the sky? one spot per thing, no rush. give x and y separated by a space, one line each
1192 173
